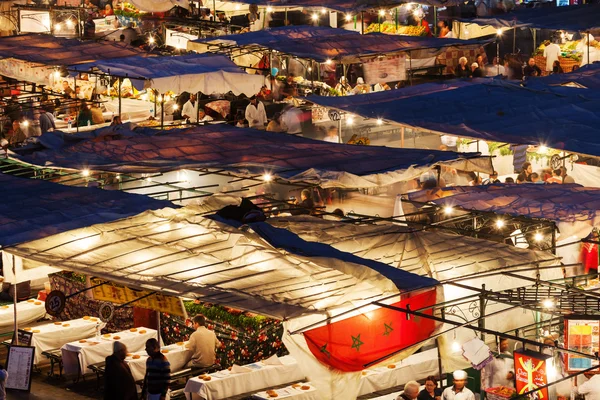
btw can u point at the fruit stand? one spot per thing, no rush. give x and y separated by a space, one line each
392 28
568 59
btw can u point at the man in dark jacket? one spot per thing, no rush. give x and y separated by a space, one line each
118 380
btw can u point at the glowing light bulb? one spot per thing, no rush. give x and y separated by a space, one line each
348 17
349 120
267 177
542 149
57 27
69 23
315 17
118 177
323 10
56 74
548 303
500 223
328 61
85 172
309 69
237 7
379 121
269 9
175 106
148 179
25 123
538 237
151 40
382 13
448 210
499 32
456 347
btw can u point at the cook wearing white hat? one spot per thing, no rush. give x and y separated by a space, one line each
458 391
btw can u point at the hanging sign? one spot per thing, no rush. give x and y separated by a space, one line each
530 373
119 294
55 303
106 312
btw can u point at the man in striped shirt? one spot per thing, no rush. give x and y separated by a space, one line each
158 373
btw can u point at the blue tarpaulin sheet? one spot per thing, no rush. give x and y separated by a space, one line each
571 18
32 209
348 6
323 43
558 117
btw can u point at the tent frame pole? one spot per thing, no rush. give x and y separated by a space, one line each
198 107
362 22
119 93
15 300
78 104
162 112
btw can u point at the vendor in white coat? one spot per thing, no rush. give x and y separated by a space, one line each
256 114
551 52
500 372
190 109
591 388
590 52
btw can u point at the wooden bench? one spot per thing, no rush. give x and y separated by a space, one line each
98 369
55 357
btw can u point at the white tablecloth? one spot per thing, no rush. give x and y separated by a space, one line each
291 393
225 384
178 356
52 336
27 312
77 356
416 367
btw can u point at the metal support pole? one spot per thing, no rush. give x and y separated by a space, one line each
402 137
162 112
340 130
119 90
158 327
588 46
271 68
481 322
197 107
155 100
534 38
435 21
396 18
362 22
16 325
78 104
439 354
409 68
514 40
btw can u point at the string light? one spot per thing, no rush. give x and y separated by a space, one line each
25 123
328 61
538 237
323 10
456 347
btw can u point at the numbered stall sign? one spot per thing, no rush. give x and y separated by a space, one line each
55 303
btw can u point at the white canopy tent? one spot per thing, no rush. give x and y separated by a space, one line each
205 73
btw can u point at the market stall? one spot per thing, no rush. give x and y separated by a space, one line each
322 47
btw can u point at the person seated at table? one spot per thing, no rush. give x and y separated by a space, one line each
116 121
16 134
556 68
158 373
476 71
431 391
332 135
203 116
381 86
361 87
343 87
306 202
462 71
107 11
411 391
85 115
118 380
275 124
202 344
531 69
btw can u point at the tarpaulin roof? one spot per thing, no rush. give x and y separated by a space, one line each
179 252
559 203
573 18
557 117
323 43
348 6
31 209
160 5
587 77
51 50
251 152
206 73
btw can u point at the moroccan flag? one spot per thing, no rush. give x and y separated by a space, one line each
350 344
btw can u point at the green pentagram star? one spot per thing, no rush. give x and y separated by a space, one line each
325 351
356 342
388 329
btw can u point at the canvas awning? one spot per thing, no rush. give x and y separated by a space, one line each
160 5
192 73
54 51
252 153
178 252
557 117
32 209
574 208
323 43
347 6
573 18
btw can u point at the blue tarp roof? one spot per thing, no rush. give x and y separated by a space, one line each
32 209
249 151
558 117
571 18
322 43
587 76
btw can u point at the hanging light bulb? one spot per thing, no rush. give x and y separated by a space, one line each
548 303
348 17
69 23
269 9
315 17
85 172
382 13
151 39
379 121
323 10
267 177
448 210
456 347
57 27
500 223
538 237
349 120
